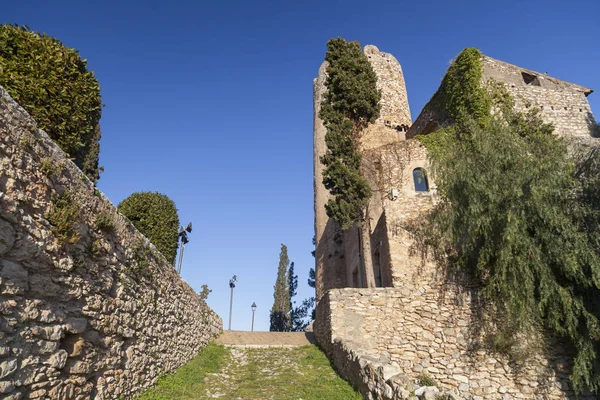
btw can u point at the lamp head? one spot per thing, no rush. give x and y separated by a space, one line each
189 227
253 306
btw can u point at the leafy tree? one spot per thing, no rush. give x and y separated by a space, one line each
52 83
280 312
311 278
521 215
350 103
155 216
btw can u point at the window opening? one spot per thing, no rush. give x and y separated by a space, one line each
420 180
529 79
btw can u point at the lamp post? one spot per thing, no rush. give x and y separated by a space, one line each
184 239
253 306
231 285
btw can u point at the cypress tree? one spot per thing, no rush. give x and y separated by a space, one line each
349 105
280 312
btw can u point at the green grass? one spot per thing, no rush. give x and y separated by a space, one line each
188 380
263 373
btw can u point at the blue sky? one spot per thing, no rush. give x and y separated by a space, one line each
211 104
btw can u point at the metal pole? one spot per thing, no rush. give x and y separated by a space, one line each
180 257
230 305
252 321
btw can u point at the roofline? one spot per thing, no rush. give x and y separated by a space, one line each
585 90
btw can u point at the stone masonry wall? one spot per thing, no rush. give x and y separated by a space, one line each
97 314
383 338
561 103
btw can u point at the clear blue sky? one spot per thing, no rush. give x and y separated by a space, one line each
211 104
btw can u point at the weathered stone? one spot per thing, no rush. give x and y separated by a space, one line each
14 277
7 236
57 360
76 325
7 367
6 387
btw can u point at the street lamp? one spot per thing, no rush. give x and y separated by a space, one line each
184 239
231 285
253 306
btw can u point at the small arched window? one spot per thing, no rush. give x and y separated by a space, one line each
420 180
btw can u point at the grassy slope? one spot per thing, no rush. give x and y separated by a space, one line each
267 373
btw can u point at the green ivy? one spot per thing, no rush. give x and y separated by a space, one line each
52 83
350 103
461 92
155 216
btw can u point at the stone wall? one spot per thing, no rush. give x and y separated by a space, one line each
561 103
381 339
89 309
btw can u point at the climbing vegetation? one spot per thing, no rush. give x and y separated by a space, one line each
64 218
520 214
350 103
52 83
155 216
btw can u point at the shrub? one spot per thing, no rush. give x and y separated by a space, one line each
52 83
64 218
154 215
104 223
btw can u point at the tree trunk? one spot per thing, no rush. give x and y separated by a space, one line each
366 258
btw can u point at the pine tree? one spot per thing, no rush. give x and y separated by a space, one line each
280 313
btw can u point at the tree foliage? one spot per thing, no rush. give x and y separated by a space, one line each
280 312
350 103
52 83
155 216
521 215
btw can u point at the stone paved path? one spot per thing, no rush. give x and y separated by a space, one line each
265 339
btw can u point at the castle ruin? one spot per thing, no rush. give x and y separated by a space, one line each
414 322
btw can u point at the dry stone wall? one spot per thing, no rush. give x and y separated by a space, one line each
381 339
88 309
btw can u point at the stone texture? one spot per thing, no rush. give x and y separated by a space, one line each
77 323
420 322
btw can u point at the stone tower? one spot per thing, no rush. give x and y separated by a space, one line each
332 245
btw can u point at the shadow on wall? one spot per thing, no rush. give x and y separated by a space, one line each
329 253
592 125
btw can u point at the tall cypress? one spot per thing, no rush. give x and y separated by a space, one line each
349 105
280 313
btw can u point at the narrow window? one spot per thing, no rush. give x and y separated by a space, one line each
377 269
529 79
420 179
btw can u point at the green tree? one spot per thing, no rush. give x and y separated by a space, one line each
280 312
52 83
350 103
155 216
520 218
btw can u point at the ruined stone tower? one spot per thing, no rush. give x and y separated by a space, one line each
339 254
